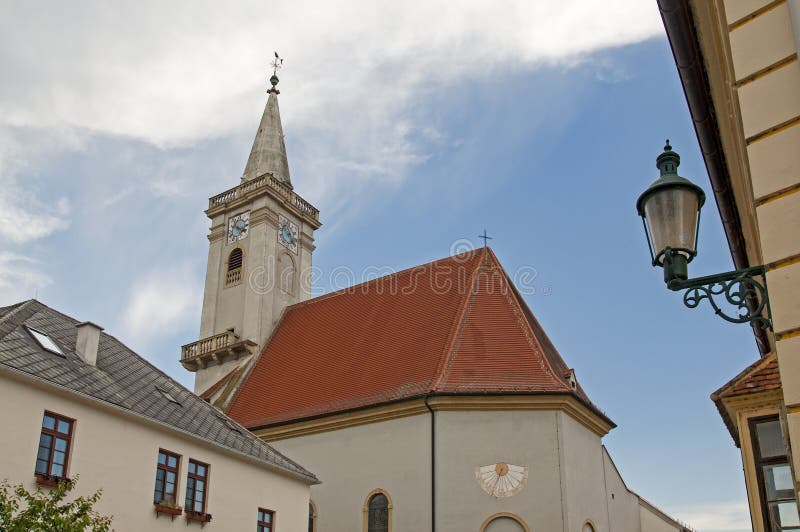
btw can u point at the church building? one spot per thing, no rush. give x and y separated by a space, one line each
429 399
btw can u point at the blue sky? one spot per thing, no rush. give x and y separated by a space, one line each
410 130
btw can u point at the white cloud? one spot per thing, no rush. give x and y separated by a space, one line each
160 303
26 213
185 70
733 516
172 73
20 278
23 217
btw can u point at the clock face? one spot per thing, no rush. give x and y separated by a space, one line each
238 226
288 233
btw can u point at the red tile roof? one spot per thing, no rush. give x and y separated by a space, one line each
456 325
760 376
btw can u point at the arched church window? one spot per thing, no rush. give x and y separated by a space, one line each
504 522
312 517
588 527
235 266
286 269
378 512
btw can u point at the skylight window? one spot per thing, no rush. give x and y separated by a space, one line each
232 425
168 396
45 341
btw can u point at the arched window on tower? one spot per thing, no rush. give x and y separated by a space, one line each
234 274
378 512
286 269
588 527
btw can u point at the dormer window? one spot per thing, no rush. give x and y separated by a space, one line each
235 265
44 341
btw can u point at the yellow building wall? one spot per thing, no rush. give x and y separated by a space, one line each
750 48
118 453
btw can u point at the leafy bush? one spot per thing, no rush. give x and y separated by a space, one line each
48 510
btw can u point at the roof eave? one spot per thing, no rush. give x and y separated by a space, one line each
263 425
689 59
310 479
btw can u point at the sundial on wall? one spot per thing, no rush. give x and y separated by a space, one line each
502 479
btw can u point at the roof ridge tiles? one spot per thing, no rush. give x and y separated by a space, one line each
363 346
17 309
530 334
455 333
349 289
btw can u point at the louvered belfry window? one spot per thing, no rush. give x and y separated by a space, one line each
234 273
378 517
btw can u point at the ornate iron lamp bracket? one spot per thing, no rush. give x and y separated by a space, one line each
739 288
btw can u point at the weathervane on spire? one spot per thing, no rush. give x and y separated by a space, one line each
276 65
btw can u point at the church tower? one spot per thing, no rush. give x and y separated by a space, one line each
259 258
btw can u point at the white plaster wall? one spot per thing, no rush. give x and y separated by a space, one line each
623 506
571 477
212 285
253 307
393 455
652 522
118 454
583 474
477 438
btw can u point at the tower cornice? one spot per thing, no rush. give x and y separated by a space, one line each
264 185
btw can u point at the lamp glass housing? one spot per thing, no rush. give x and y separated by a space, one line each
672 215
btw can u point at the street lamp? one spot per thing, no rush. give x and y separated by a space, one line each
670 211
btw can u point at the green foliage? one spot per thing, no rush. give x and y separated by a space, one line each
49 510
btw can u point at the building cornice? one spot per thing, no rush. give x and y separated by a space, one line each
566 403
265 185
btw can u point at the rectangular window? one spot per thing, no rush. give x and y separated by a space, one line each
167 471
45 341
196 487
52 457
266 520
775 483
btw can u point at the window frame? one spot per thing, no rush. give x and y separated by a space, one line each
759 462
365 510
195 477
312 516
234 276
168 469
506 515
41 338
264 526
48 477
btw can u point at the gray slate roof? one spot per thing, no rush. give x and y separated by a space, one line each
124 379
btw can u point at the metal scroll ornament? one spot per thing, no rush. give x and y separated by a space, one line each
738 289
502 479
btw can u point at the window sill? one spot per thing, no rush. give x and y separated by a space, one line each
169 510
49 480
198 516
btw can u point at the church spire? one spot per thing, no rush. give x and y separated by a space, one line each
268 154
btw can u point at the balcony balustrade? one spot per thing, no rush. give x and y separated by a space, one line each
214 349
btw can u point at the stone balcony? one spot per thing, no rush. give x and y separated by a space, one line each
266 184
215 350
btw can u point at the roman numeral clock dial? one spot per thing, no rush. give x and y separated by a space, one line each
288 233
238 226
